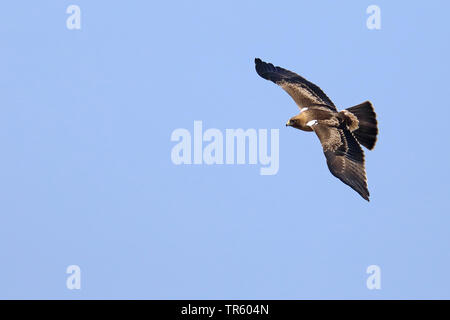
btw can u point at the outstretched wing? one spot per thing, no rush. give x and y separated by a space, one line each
345 158
304 93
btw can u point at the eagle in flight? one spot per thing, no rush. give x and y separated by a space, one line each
341 133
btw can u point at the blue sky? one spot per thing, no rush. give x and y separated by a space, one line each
87 178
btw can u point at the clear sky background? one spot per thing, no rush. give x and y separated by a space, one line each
87 179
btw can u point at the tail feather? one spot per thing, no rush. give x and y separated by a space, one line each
367 132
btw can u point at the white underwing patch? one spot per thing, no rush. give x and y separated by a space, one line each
311 123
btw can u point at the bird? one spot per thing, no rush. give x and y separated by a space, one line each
341 133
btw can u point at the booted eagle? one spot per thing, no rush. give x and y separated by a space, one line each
341 133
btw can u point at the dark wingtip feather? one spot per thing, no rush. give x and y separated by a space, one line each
266 70
259 64
361 188
366 197
260 67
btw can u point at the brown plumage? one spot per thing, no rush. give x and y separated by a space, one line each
339 132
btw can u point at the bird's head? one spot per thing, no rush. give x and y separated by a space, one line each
293 122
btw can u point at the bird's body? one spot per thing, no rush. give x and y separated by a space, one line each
340 132
306 115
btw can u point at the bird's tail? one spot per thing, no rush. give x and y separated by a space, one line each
367 132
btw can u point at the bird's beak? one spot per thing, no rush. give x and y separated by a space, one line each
287 124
